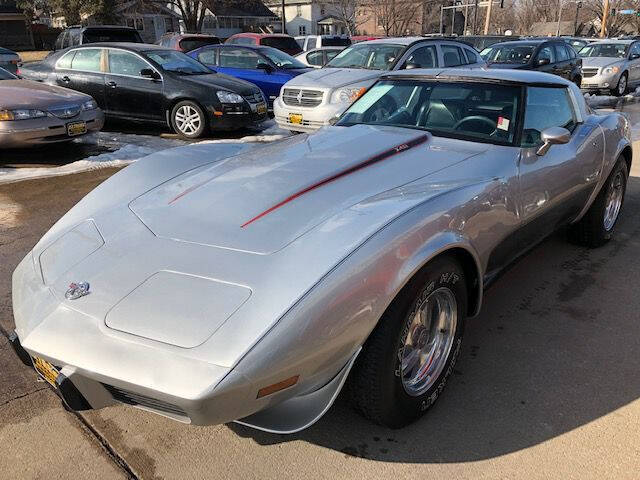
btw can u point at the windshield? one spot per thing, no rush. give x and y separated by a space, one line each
191 43
473 111
613 50
288 44
95 35
519 54
372 56
177 62
336 41
577 44
281 59
4 75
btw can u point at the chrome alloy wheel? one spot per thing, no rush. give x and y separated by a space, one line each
622 85
188 120
429 340
614 201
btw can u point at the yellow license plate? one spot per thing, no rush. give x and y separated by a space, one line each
295 118
76 128
262 108
46 370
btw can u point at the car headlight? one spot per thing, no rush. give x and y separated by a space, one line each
90 105
348 95
610 70
229 97
6 115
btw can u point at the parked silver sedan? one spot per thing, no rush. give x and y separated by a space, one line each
33 113
218 283
611 65
9 60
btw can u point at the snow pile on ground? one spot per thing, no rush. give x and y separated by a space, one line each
594 100
123 148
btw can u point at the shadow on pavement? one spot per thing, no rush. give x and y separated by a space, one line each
555 347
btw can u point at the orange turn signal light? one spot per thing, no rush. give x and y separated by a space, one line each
276 387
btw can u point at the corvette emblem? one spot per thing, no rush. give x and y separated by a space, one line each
77 290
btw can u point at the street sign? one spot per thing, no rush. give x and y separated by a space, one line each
626 12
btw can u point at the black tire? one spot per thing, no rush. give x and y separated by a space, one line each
617 89
196 131
375 385
591 230
577 80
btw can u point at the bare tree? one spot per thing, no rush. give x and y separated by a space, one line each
616 23
191 11
395 17
352 13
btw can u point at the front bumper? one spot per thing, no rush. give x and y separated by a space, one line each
313 118
46 130
236 116
600 82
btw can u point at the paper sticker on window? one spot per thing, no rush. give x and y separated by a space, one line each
503 123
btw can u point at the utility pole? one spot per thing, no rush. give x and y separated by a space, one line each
605 17
575 23
559 17
284 21
466 15
487 20
453 17
441 31
475 17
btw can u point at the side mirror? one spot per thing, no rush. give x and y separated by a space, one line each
634 56
553 136
265 66
543 61
149 73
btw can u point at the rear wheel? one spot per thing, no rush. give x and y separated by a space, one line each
597 226
409 356
188 119
577 80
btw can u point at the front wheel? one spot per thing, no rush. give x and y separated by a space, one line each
407 359
188 119
621 88
597 226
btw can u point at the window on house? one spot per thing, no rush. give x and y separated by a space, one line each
168 24
302 30
137 23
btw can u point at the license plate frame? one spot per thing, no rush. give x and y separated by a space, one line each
47 372
295 118
76 128
261 108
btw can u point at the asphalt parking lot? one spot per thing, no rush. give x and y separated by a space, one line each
547 385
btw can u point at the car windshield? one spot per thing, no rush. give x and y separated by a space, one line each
613 50
281 43
4 75
577 44
372 56
281 59
519 54
191 43
177 62
474 111
336 41
94 35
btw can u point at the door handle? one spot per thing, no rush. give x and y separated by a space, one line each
65 79
112 84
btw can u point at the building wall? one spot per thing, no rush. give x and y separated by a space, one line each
13 31
305 13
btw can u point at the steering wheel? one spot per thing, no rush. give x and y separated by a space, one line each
381 110
480 120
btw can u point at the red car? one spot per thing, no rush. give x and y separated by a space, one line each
363 38
185 42
283 42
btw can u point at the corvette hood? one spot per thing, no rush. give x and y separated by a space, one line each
334 77
262 200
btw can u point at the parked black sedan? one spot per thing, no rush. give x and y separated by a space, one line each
149 83
550 56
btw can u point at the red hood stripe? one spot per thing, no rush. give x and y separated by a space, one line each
377 158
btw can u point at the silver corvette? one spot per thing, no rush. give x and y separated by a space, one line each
215 283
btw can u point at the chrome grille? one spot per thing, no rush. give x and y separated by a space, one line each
131 398
254 97
296 97
589 72
66 112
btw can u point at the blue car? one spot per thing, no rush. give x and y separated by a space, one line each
267 67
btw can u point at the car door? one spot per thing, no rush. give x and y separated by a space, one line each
128 93
81 70
452 55
545 59
243 63
562 67
634 63
423 56
555 187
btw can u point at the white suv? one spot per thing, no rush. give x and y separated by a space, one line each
312 100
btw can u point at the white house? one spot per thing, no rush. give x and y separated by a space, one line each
309 17
235 16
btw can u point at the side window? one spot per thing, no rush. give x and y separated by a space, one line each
331 54
87 60
124 63
75 37
313 43
242 41
66 39
422 57
561 53
239 58
58 45
65 61
471 56
315 58
546 107
635 49
572 52
208 57
546 53
452 56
